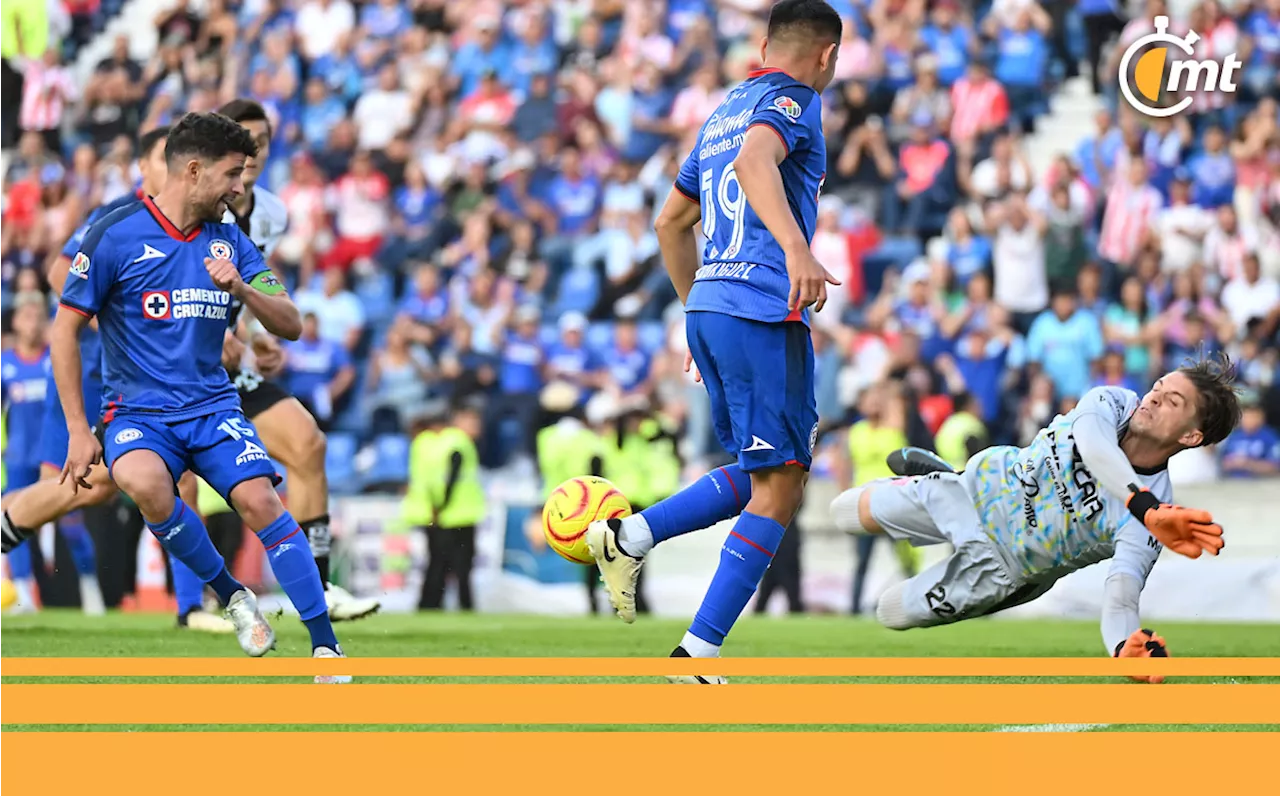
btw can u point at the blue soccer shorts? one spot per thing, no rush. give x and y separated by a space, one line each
760 378
53 435
222 448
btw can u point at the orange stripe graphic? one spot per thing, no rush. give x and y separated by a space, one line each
639 667
644 704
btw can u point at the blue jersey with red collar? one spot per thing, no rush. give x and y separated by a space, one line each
90 344
23 383
160 316
744 271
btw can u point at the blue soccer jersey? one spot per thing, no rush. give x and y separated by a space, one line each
23 383
744 271
90 344
160 316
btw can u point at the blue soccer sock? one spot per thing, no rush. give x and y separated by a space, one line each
290 557
716 496
187 587
745 556
80 543
20 567
184 537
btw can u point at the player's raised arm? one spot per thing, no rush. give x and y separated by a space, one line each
1193 406
677 240
252 283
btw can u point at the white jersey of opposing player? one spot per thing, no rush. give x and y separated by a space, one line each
268 220
1047 514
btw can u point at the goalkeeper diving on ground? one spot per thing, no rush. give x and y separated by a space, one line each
1092 485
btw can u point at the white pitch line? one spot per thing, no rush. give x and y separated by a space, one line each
1051 727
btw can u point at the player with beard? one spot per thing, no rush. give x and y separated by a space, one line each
287 429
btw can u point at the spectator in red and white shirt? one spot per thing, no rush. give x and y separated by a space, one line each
696 102
47 88
642 41
359 203
1227 245
490 108
1131 208
304 196
980 107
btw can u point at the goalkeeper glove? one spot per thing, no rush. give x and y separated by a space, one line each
1188 532
1143 644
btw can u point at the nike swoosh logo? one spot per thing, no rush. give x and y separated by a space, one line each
608 555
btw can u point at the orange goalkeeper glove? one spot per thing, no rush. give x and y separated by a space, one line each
1188 532
1143 644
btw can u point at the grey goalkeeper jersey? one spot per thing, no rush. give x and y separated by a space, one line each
1047 513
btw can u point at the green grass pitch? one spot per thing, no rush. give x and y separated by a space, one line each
69 634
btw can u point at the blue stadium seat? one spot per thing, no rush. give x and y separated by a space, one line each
390 462
599 336
652 336
579 291
891 253
377 295
339 463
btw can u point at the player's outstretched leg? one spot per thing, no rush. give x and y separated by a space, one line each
145 478
292 563
292 437
619 546
27 510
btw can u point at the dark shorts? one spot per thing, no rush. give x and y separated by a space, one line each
257 395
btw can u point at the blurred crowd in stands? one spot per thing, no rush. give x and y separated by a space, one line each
471 188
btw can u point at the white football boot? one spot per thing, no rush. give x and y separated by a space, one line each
693 679
619 570
344 606
325 652
252 631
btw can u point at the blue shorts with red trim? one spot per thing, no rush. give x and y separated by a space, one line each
760 378
222 448
53 434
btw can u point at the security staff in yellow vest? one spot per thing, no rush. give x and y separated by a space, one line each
568 448
641 460
450 467
416 510
963 433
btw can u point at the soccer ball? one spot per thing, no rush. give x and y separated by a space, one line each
573 506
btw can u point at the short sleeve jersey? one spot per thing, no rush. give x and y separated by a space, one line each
160 316
744 270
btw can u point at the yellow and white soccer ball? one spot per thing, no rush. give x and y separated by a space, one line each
573 506
8 594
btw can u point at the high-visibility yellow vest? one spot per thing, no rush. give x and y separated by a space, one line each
466 503
951 437
565 451
209 502
626 465
416 508
662 464
869 446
